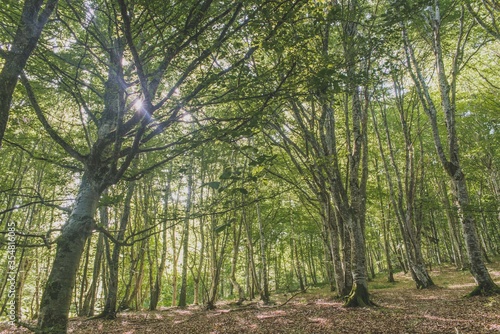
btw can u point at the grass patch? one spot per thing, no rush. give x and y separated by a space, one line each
378 286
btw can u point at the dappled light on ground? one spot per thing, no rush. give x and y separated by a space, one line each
272 314
402 309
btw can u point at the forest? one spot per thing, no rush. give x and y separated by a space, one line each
181 158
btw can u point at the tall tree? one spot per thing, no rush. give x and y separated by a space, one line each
130 69
403 191
449 157
185 234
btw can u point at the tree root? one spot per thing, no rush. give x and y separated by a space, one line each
28 326
104 315
359 297
484 290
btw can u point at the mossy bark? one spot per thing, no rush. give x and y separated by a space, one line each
484 290
56 299
421 276
359 297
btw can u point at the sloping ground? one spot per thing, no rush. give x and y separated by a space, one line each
402 309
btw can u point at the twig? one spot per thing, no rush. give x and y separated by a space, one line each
293 296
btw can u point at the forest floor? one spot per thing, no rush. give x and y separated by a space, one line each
401 309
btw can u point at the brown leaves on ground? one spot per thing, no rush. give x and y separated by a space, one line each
402 309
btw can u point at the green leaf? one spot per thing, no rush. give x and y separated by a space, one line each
107 200
226 174
213 185
220 228
241 190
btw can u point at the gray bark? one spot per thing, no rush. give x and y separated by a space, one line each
113 258
33 20
264 280
56 298
185 238
156 290
451 162
353 207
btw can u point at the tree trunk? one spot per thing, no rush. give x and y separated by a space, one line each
22 273
56 298
185 241
385 229
459 256
264 280
251 261
89 302
297 265
174 265
216 261
485 284
328 260
310 260
84 281
113 257
236 245
201 260
359 296
451 163
156 291
33 20
337 240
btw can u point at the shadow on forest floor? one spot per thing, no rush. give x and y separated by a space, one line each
402 309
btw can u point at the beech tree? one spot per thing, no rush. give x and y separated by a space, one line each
142 64
449 156
336 111
169 153
403 190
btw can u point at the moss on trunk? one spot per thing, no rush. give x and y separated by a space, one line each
484 290
359 297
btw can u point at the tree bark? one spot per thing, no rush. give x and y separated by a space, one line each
234 262
33 20
450 163
185 239
156 290
56 298
89 302
352 208
264 280
113 257
458 254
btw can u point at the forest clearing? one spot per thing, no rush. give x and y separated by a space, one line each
181 164
401 309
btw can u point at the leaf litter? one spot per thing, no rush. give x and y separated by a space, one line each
401 309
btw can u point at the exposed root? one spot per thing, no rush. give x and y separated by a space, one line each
484 290
209 306
104 315
27 326
359 297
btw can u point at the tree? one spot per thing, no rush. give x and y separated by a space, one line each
404 193
185 237
485 13
33 19
450 159
109 151
141 65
